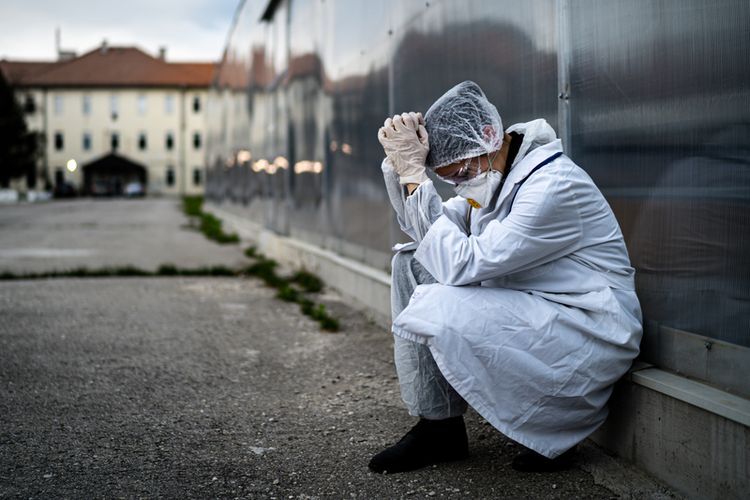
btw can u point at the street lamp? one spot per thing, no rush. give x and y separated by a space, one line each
72 165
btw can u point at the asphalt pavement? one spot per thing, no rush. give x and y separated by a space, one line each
213 388
95 233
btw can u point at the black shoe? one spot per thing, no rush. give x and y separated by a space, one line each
531 461
429 442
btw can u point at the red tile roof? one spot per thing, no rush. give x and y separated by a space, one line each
109 67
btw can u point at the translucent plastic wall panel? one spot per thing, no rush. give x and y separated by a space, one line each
509 48
308 122
356 62
660 117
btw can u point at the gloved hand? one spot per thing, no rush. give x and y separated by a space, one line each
405 142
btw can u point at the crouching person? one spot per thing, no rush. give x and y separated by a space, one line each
515 297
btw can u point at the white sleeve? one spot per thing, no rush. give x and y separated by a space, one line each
543 225
417 212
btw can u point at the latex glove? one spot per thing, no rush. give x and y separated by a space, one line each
405 142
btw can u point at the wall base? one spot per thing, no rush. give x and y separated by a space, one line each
697 452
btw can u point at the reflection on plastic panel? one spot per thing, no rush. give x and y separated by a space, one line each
657 101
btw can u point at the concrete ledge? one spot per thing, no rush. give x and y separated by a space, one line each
695 393
654 423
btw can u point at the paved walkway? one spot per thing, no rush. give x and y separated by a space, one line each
212 388
43 237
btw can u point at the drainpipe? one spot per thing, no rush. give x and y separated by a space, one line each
45 142
183 142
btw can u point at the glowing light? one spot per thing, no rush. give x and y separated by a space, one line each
72 165
306 166
260 165
281 162
244 156
334 146
346 149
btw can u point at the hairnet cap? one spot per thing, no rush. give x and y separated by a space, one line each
462 124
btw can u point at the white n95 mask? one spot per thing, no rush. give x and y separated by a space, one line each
479 190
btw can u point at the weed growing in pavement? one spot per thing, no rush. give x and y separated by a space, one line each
172 270
192 205
288 294
308 281
265 269
251 252
209 225
124 271
327 322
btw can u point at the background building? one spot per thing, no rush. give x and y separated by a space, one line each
121 116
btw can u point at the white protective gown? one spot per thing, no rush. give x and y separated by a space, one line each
534 316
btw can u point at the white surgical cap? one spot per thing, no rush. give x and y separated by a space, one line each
462 124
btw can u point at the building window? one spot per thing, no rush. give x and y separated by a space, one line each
142 142
169 142
86 141
114 141
142 104
29 105
170 176
197 140
196 104
114 106
58 104
59 141
169 104
197 176
86 104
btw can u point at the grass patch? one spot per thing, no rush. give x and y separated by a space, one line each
192 205
327 322
288 294
209 225
265 269
122 271
286 288
308 281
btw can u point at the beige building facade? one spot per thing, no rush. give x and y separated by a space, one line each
116 116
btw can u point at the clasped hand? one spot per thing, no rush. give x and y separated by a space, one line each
404 140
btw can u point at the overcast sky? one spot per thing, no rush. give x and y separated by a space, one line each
192 30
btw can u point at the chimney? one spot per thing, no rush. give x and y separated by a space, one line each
104 46
62 55
163 53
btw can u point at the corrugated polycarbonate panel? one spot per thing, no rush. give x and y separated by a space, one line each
508 48
652 100
660 118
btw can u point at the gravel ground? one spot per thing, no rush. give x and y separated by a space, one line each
196 388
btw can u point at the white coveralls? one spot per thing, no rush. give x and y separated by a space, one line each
533 316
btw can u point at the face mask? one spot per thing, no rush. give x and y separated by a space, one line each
479 190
